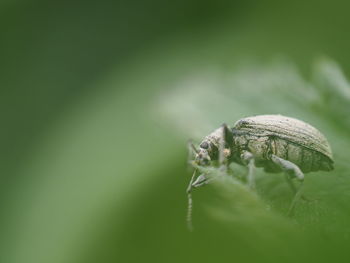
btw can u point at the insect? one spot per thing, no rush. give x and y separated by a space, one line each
274 142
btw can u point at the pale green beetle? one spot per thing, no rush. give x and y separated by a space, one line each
274 142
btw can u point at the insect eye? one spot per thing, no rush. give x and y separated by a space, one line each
204 145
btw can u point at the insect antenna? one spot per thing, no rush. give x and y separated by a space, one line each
190 203
192 151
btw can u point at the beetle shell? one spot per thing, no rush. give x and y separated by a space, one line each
286 137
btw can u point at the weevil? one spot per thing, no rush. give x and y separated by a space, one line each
274 142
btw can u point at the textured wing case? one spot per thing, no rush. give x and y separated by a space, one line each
290 129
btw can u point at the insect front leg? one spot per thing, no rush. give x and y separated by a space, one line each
248 158
225 144
291 169
192 151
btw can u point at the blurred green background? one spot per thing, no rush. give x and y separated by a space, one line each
99 98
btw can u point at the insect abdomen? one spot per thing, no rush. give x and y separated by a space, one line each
308 160
286 128
262 147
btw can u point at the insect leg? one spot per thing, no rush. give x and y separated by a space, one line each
291 169
296 198
248 158
225 144
294 189
290 183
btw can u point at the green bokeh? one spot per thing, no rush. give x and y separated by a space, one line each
99 99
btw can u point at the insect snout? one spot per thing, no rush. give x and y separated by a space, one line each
202 158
